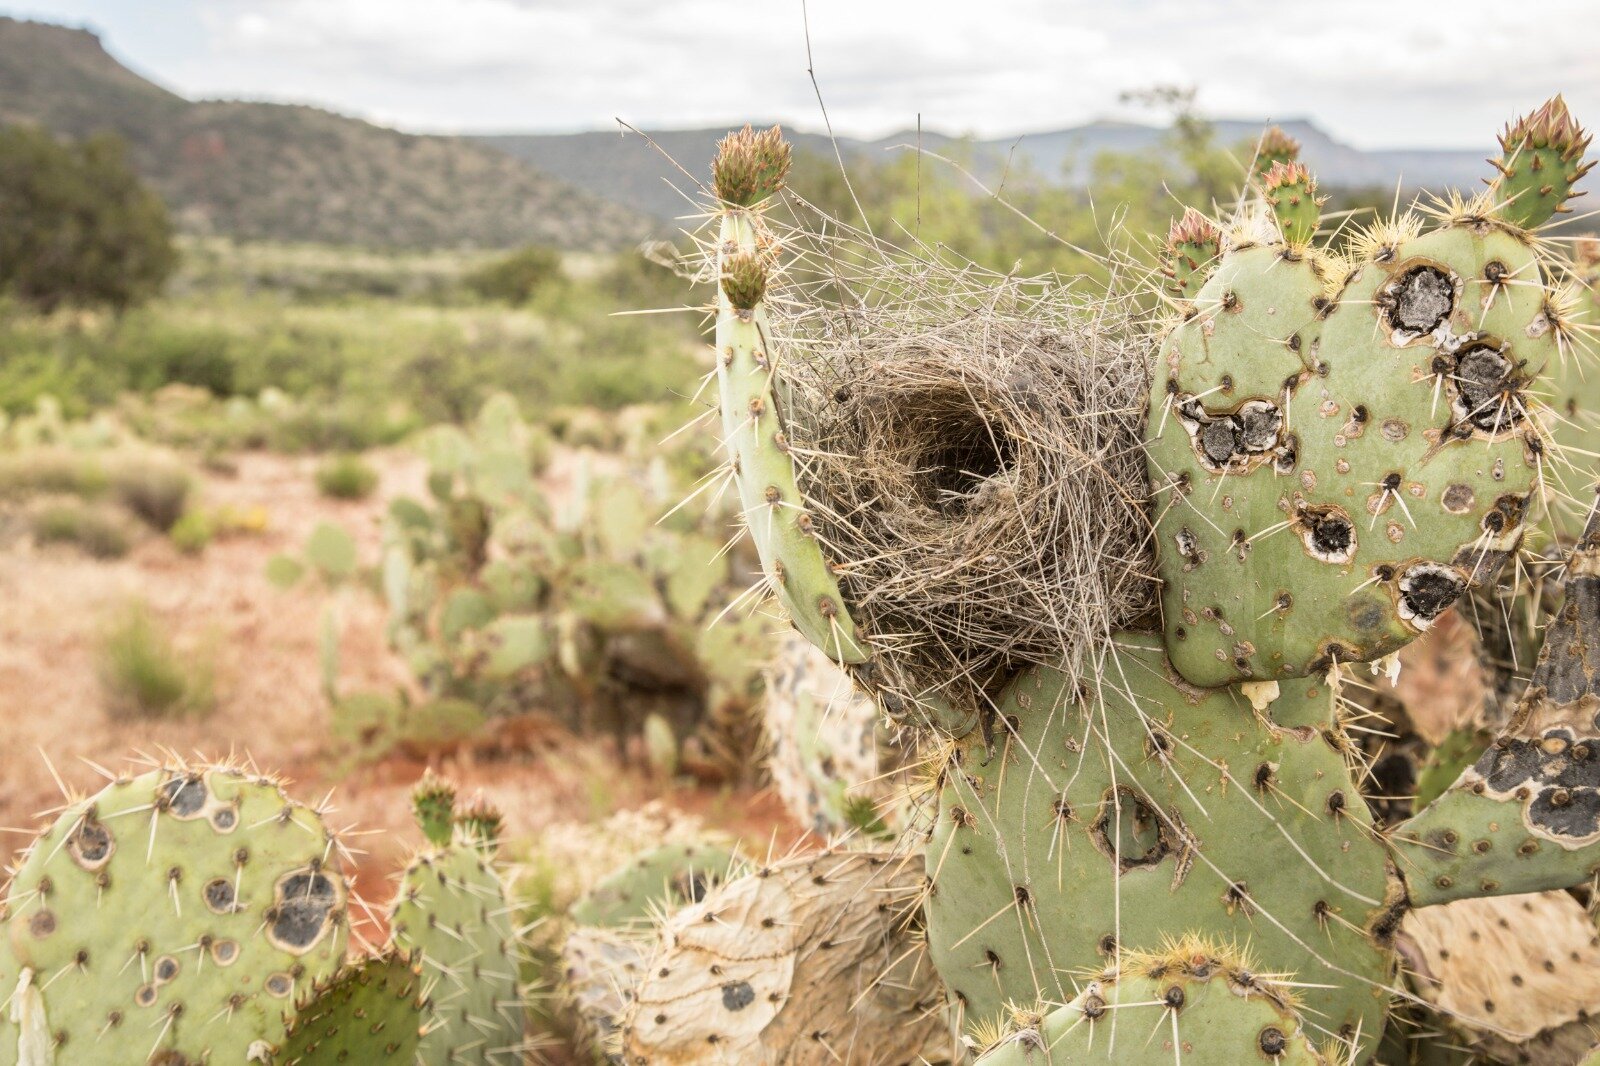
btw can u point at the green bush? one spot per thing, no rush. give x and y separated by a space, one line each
143 674
515 278
98 531
191 533
346 477
156 491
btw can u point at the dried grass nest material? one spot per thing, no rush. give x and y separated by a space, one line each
971 448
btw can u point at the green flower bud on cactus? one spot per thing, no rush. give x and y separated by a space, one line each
1540 162
372 1011
1194 1003
750 166
744 280
433 804
1275 147
1193 245
480 823
1291 191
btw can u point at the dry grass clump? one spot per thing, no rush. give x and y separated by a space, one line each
971 445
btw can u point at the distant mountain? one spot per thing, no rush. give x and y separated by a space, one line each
625 169
273 171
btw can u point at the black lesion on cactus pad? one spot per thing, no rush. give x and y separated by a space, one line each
91 843
1227 440
1487 388
737 995
1427 590
184 796
1418 301
1327 532
1558 770
302 911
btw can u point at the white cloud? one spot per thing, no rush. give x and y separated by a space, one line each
1374 72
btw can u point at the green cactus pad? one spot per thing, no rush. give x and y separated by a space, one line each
1541 161
1331 476
174 917
1193 245
372 1011
453 910
654 884
1574 386
1192 1005
1291 192
774 509
1526 816
1147 810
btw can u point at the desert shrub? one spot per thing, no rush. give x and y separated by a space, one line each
98 531
191 533
144 675
346 477
51 471
156 491
516 277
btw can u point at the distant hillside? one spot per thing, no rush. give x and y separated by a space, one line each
626 170
287 173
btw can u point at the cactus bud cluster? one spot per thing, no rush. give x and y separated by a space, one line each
750 166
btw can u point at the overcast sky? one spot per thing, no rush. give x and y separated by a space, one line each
1376 73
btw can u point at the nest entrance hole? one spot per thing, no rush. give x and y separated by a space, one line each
953 449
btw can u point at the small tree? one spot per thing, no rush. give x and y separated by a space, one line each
79 227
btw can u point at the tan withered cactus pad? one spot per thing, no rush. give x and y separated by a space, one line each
1518 975
813 960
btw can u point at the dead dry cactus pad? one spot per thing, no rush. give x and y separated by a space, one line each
834 762
970 491
1524 969
812 960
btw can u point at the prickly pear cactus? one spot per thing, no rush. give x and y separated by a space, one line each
1143 809
452 913
831 760
174 917
599 970
605 954
1192 1003
373 1011
750 168
1526 816
812 960
1340 449
654 884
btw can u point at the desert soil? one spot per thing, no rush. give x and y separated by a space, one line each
270 707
